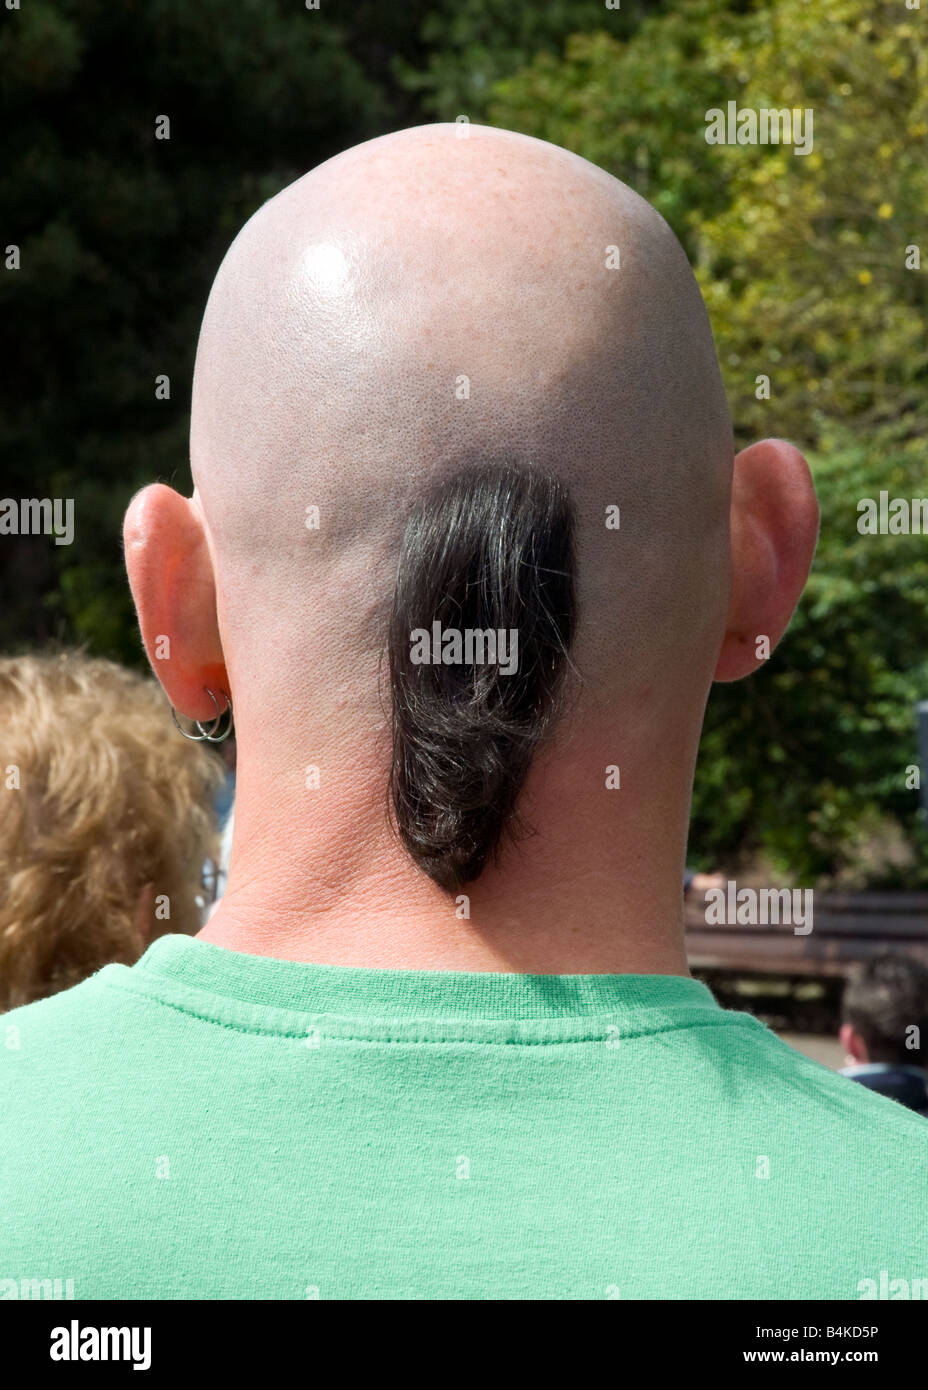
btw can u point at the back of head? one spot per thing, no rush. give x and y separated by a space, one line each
102 813
468 382
886 1003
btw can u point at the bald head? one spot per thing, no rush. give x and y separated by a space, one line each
462 374
437 298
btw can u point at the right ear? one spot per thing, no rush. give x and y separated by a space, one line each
774 527
171 577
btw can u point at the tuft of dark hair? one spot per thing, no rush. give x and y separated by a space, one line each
488 548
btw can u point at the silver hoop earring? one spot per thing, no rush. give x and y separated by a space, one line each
209 735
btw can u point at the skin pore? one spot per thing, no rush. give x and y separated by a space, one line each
419 300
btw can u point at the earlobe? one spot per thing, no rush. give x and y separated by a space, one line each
171 576
774 527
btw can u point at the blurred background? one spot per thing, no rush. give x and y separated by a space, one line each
806 263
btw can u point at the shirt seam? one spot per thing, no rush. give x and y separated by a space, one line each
728 1017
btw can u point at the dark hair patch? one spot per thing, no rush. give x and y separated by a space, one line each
488 548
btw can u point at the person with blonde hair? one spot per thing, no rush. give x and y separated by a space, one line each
105 821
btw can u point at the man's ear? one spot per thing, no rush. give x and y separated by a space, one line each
171 577
853 1044
774 527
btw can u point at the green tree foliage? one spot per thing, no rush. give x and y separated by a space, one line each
468 45
804 270
802 260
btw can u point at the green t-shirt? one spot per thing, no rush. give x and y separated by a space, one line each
208 1124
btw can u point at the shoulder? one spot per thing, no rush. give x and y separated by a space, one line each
59 1039
840 1103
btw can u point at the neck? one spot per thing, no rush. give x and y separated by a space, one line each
596 889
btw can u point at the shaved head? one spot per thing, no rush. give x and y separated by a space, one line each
426 302
460 379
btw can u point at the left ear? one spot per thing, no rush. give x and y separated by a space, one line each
172 581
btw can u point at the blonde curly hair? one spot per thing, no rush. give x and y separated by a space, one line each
105 812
